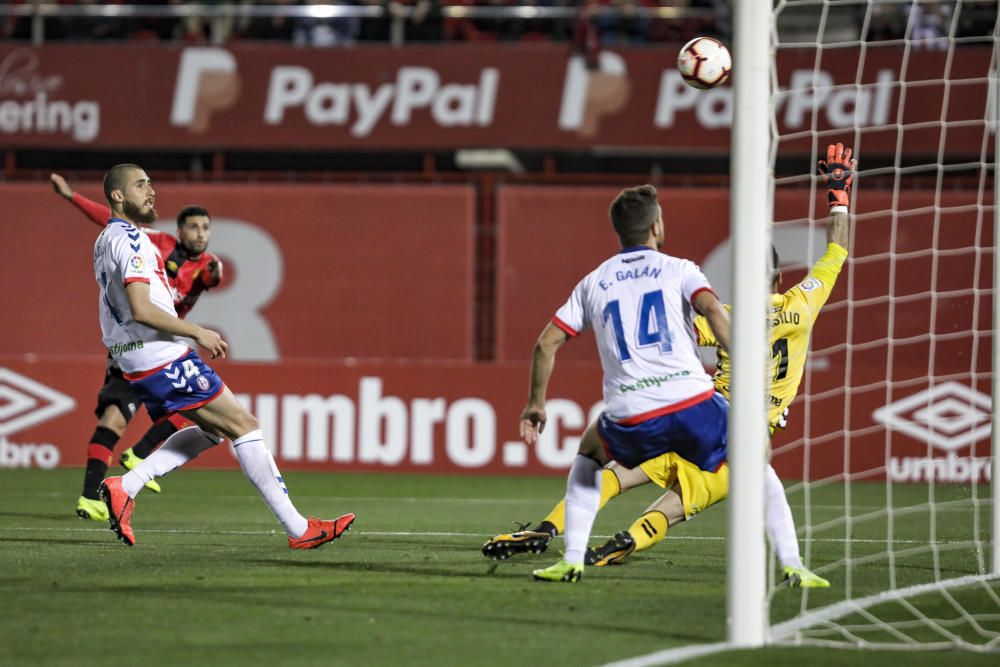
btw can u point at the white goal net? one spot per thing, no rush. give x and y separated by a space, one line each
891 432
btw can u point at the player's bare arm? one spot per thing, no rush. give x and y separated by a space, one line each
95 212
718 317
60 186
543 360
144 312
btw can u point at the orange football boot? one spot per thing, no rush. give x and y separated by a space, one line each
320 532
120 508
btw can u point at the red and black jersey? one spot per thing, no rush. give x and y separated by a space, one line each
188 275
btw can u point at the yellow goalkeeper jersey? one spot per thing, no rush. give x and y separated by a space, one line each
792 316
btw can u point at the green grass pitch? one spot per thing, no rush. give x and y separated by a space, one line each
212 581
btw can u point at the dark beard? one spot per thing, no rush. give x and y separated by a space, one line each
133 213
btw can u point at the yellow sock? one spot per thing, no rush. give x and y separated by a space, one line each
610 487
557 517
649 529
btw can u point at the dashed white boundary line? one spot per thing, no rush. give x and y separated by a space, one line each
192 531
419 533
436 499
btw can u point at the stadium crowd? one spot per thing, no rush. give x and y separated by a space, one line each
603 22
421 20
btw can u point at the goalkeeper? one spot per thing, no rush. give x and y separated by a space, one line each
690 490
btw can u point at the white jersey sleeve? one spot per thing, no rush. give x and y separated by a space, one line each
693 280
573 317
123 255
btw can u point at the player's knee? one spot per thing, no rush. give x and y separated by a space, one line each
629 478
113 420
591 446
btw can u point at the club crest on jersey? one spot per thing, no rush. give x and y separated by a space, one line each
136 263
202 383
810 284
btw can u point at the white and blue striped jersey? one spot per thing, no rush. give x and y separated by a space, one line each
639 304
123 254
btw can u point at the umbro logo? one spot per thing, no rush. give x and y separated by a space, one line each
25 402
948 416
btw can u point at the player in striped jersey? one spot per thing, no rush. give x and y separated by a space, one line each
191 270
143 334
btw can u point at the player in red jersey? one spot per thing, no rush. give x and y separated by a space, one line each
191 270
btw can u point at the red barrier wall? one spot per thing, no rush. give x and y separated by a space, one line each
919 361
311 271
462 418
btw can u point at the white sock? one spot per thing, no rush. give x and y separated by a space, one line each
259 467
779 521
583 497
178 449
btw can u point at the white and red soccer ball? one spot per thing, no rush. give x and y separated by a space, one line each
705 63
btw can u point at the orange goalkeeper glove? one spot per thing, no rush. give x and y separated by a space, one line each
838 171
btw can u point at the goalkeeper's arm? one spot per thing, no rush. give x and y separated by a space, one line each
839 229
838 171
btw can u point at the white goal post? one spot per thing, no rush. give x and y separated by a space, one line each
757 140
750 230
995 448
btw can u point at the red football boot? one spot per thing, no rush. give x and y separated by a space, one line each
120 508
320 532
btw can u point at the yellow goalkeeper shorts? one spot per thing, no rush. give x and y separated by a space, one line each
699 489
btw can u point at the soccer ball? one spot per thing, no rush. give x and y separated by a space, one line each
704 63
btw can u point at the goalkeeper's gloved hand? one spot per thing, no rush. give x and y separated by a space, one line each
782 423
838 171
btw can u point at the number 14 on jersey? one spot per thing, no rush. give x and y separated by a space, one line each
651 325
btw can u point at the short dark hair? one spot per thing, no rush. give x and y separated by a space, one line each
633 213
188 211
114 179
